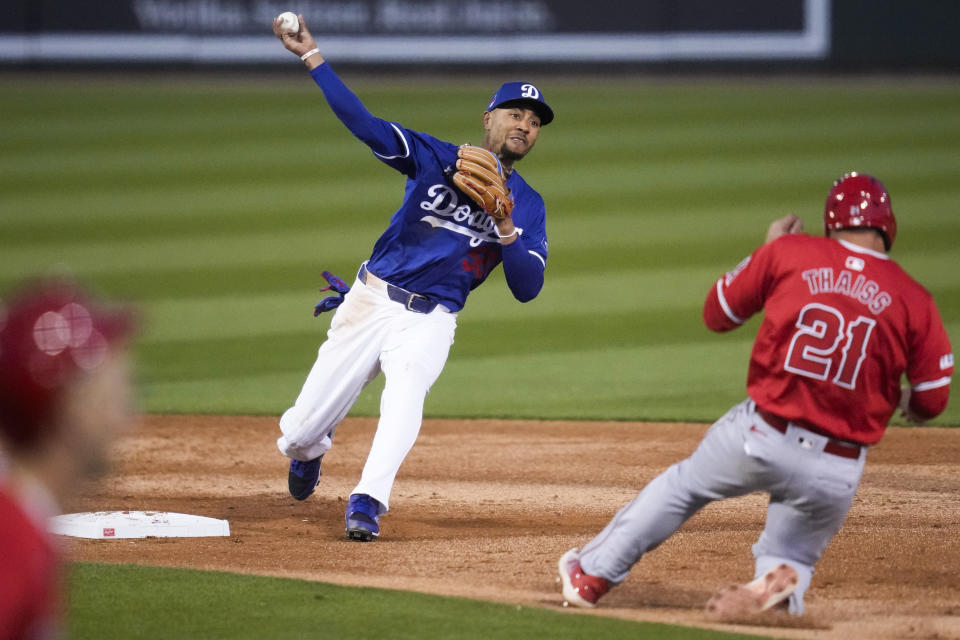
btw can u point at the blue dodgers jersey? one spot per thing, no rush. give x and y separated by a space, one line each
440 243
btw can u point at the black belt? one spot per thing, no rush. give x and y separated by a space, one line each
412 301
836 447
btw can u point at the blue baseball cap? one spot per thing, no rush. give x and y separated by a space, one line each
522 94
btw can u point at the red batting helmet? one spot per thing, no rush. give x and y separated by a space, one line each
858 200
50 332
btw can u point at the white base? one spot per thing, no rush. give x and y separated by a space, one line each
107 525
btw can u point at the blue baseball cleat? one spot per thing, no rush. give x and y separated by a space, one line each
303 477
363 518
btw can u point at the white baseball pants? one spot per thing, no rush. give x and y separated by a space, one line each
370 333
810 494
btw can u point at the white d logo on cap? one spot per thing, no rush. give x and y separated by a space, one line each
530 91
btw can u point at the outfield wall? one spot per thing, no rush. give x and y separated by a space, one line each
811 33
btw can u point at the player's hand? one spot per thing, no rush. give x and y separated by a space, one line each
299 42
784 226
905 412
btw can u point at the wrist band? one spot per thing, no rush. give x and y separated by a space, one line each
309 53
515 232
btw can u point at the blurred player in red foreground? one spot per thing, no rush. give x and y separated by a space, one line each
65 393
842 324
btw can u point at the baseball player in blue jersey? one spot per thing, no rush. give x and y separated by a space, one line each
400 315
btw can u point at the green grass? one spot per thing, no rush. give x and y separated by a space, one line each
216 204
126 602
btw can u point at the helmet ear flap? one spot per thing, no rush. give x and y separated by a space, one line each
858 200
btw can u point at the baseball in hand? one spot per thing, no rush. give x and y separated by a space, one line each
289 22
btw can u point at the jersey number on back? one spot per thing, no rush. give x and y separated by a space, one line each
821 330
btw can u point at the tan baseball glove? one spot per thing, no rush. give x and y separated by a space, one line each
480 176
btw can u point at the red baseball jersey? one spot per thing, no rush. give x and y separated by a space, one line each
841 325
29 575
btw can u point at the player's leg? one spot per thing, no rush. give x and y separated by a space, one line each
807 511
719 468
346 362
413 357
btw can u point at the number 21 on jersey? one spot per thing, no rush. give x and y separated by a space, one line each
821 330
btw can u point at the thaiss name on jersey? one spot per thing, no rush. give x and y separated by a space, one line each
864 291
479 227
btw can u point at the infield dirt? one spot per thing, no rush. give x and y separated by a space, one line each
484 509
